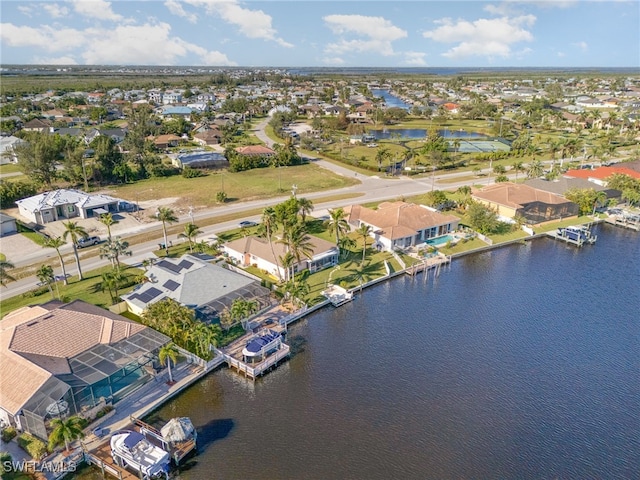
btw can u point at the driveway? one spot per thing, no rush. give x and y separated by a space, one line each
16 246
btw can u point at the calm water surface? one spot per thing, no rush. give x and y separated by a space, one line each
520 363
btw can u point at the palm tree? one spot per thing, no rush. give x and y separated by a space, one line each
108 220
57 243
298 242
346 243
535 169
113 249
465 195
518 167
337 223
167 355
364 230
75 232
45 275
166 215
65 431
191 231
4 276
305 207
111 281
269 224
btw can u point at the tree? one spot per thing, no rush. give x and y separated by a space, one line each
364 231
65 431
38 157
45 275
108 220
305 207
297 241
113 249
535 169
382 155
517 167
166 215
111 281
481 218
269 224
191 231
57 243
75 232
465 195
167 355
337 223
4 275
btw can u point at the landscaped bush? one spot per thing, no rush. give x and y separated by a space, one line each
35 447
188 172
9 434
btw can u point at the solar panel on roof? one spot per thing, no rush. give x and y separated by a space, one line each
185 264
171 285
170 266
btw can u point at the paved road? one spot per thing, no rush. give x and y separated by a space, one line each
370 189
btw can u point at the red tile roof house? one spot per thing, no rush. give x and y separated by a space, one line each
600 174
255 151
256 251
162 142
66 359
401 225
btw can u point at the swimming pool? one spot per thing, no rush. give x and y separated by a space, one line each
439 241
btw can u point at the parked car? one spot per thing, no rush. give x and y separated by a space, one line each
247 224
88 241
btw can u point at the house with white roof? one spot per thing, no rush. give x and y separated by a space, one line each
7 149
64 204
205 287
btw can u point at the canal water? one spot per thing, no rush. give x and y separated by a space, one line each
390 100
519 363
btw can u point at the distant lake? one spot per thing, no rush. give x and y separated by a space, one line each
389 99
415 133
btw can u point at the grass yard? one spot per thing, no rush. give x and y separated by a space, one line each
240 186
10 168
547 227
87 290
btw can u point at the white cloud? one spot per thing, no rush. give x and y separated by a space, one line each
64 60
177 9
55 11
148 44
251 23
483 37
376 34
561 54
415 59
333 61
26 10
581 45
98 9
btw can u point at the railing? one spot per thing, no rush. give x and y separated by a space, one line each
104 467
257 370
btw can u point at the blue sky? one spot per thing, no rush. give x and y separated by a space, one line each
357 33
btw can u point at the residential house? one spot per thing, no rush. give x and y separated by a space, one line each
38 125
258 252
561 185
7 149
600 174
536 206
162 142
255 151
64 204
7 225
69 358
207 288
400 224
211 136
211 160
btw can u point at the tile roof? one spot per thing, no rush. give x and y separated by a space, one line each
260 248
255 150
602 173
398 219
516 195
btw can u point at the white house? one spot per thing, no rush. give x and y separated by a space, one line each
399 224
256 251
7 225
63 204
7 149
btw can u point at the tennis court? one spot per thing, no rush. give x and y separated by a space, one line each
475 146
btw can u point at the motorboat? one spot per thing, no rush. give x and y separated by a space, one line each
132 449
262 344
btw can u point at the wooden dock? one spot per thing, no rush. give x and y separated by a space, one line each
427 264
579 236
101 458
233 357
624 223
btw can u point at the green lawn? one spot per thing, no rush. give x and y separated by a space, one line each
10 168
240 186
87 290
562 223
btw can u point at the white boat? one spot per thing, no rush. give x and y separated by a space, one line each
263 344
130 448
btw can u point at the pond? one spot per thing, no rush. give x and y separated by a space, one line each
415 133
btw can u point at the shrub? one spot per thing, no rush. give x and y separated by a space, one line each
188 172
9 434
35 447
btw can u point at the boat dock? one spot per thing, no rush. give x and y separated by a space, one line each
337 295
101 458
435 262
574 235
626 222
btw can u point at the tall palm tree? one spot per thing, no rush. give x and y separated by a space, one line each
364 230
346 243
167 355
113 249
518 167
65 431
269 224
45 275
191 231
4 276
305 207
166 215
111 281
465 195
298 243
75 232
108 220
535 169
337 223
57 243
